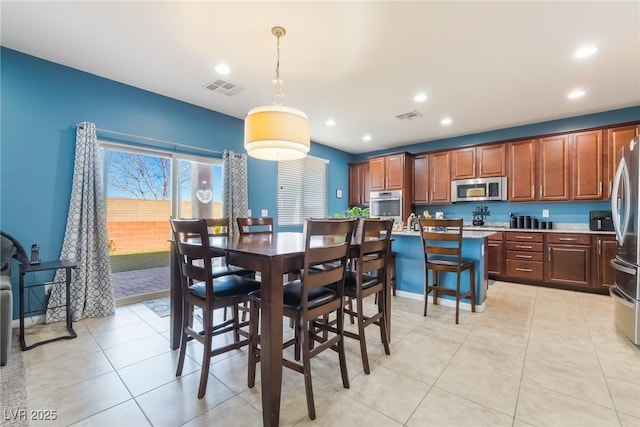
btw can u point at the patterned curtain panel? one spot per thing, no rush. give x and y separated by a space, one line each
235 202
85 239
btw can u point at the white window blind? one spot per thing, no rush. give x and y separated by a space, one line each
302 190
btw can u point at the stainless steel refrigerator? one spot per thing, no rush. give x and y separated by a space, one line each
625 208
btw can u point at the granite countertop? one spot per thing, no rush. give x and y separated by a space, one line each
480 232
575 228
466 234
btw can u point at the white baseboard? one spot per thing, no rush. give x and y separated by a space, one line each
28 321
466 306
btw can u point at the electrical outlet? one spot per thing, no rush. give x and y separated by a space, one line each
265 212
249 213
545 213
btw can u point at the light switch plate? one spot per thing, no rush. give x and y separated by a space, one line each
545 213
265 212
339 194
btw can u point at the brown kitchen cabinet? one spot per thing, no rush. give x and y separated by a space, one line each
463 163
568 259
420 180
617 137
391 172
439 181
553 168
495 254
604 248
521 174
478 162
587 164
359 184
431 183
524 255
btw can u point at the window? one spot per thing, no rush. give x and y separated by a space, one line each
302 190
144 187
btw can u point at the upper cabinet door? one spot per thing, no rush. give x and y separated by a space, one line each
355 185
553 168
395 171
359 184
377 174
587 165
439 182
420 180
491 160
616 138
463 163
478 162
521 177
366 186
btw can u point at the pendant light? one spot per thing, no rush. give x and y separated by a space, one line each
276 132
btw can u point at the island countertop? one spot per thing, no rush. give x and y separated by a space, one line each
466 234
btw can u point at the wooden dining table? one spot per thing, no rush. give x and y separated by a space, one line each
272 255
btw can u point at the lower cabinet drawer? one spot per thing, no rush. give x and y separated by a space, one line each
524 246
524 256
524 269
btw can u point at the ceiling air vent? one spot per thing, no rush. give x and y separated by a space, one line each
224 87
412 115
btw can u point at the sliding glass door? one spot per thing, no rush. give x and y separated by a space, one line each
143 189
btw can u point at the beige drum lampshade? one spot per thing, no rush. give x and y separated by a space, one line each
276 133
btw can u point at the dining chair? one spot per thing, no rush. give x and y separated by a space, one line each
442 243
219 227
200 289
368 276
308 299
262 225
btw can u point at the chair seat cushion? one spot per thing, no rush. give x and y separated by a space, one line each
225 270
227 286
368 280
449 261
291 295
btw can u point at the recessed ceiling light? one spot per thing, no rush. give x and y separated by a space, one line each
446 121
421 97
585 51
222 69
330 122
366 138
576 94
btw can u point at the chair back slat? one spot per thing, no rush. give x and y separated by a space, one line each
332 255
218 226
446 241
262 225
374 243
191 239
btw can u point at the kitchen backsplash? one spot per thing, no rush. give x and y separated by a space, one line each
563 212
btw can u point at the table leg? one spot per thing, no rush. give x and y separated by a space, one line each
23 345
175 329
72 333
271 341
387 300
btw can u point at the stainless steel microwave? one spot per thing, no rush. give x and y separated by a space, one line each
479 189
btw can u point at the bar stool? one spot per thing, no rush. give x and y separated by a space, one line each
442 243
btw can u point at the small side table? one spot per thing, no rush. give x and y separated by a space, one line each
45 266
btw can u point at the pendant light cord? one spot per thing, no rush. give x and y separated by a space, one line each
278 97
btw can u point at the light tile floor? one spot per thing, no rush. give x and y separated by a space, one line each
534 357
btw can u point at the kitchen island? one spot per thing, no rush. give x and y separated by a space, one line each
410 271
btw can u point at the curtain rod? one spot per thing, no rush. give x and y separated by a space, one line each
148 138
